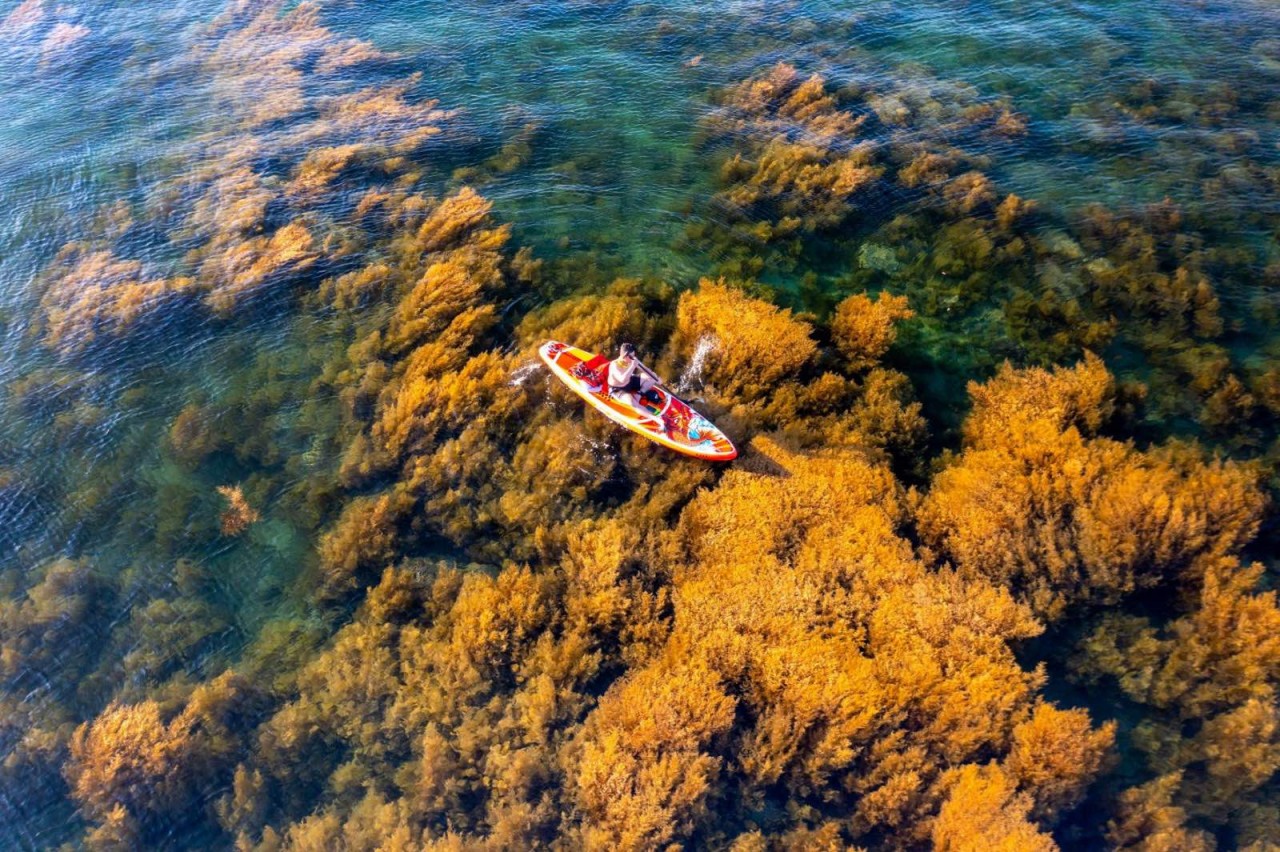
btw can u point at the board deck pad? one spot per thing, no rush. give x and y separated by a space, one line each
687 431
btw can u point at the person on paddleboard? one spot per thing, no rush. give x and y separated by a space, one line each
629 380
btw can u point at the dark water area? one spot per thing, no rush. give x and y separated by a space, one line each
227 404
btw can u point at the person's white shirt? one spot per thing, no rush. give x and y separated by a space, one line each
619 375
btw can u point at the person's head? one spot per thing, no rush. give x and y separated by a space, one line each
627 351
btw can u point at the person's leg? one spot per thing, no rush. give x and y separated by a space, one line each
627 393
632 398
647 392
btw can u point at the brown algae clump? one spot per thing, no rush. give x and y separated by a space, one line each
93 294
257 200
238 514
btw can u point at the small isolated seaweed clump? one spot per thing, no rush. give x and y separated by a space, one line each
245 268
238 515
864 330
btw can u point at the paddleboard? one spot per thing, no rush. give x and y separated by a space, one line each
686 431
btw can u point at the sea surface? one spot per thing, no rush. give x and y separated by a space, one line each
590 125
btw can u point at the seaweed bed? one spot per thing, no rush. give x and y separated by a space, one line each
1036 614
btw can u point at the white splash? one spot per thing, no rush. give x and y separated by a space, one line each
597 449
693 371
521 374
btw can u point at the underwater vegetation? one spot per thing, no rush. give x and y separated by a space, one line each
254 206
38 33
798 651
830 188
1034 487
758 659
1032 615
810 158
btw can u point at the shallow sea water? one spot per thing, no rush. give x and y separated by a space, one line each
584 123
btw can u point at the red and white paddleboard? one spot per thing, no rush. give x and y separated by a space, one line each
686 431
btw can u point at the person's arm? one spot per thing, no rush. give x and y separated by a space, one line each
651 373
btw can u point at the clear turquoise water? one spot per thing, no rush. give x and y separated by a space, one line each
610 100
